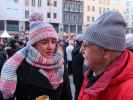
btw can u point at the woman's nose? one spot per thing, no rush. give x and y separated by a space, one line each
50 45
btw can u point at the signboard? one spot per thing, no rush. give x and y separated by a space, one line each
12 10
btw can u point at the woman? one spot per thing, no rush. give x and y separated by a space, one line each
39 67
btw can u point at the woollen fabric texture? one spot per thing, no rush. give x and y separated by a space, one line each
108 31
40 30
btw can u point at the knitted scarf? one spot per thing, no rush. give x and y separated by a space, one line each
52 68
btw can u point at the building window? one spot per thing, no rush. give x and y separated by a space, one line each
88 18
74 19
1 25
75 8
27 2
39 3
73 28
131 24
65 7
16 1
12 26
66 28
132 16
33 2
69 17
107 9
26 14
55 3
65 17
26 25
132 31
79 7
71 7
68 7
88 8
104 10
48 3
79 29
48 15
93 8
55 15
100 10
127 10
93 18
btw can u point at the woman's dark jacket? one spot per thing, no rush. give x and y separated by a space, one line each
31 84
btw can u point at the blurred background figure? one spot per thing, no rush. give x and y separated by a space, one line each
129 41
77 65
13 45
65 42
69 50
3 56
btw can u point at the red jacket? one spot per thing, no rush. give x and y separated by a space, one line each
116 83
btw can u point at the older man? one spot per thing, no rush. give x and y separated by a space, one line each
110 76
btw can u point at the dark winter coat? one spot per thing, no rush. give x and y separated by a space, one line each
77 61
2 58
77 68
31 84
1 97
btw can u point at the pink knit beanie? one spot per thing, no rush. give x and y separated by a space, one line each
39 29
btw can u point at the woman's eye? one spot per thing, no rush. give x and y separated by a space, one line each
54 41
44 42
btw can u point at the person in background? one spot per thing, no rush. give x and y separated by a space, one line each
129 41
110 74
36 70
69 50
11 47
77 65
3 56
65 40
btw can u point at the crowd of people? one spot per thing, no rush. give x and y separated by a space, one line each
100 62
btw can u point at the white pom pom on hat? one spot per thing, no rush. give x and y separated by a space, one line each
36 17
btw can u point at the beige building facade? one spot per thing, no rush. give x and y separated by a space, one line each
128 14
95 8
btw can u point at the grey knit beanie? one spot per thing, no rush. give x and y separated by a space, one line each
108 31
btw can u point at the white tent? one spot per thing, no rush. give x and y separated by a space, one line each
5 35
